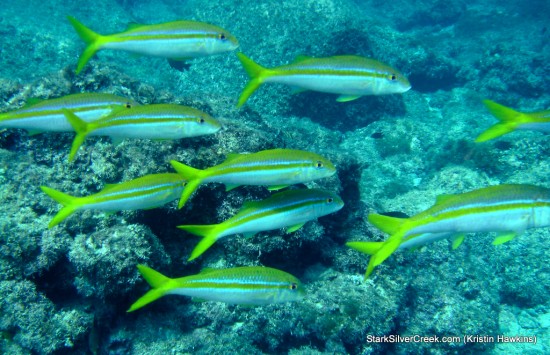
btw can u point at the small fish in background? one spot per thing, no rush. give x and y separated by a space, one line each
247 285
348 75
511 120
507 210
178 40
47 115
145 192
276 168
157 121
289 209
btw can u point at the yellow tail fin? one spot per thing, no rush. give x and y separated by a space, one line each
379 251
68 202
256 73
509 120
386 224
209 234
160 284
193 176
81 128
91 38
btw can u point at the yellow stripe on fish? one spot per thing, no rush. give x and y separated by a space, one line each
248 285
145 192
511 120
275 168
348 75
506 209
159 121
176 40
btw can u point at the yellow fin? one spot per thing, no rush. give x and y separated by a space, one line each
443 198
385 251
504 237
32 101
509 120
276 187
301 58
386 224
458 240
294 228
33 132
133 26
256 72
231 156
346 98
207 270
369 248
159 283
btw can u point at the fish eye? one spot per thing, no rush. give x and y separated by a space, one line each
293 286
319 164
128 105
201 120
330 200
392 77
222 36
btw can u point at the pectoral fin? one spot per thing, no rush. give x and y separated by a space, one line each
504 237
276 187
457 241
229 187
346 98
292 229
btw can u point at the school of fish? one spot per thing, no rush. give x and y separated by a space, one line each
508 210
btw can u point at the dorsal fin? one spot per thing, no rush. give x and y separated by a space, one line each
207 270
232 156
443 198
133 26
32 101
249 205
108 186
301 58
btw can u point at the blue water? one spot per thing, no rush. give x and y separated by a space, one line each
66 290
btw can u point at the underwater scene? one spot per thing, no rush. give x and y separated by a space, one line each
262 177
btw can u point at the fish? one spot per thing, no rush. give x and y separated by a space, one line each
276 168
290 209
507 209
158 121
511 120
177 40
146 192
47 115
349 76
246 285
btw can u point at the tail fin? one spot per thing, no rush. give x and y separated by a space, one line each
509 120
69 207
160 284
91 38
81 128
379 251
193 177
209 238
369 248
386 224
382 254
256 74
